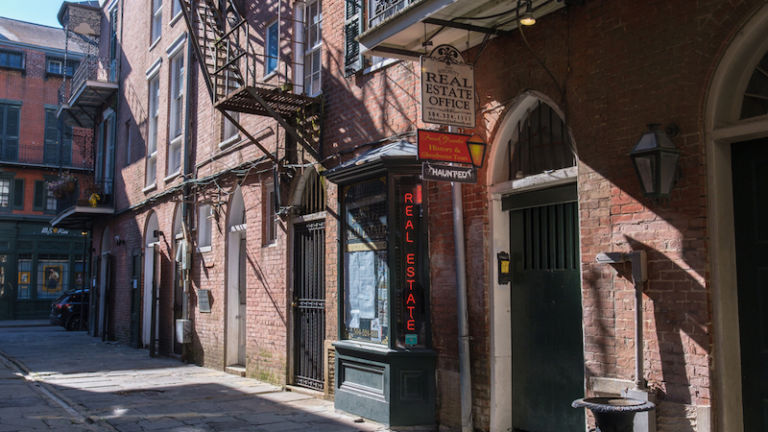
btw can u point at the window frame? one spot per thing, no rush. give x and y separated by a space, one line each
313 24
204 227
235 136
9 199
153 88
5 106
177 101
269 47
22 56
155 22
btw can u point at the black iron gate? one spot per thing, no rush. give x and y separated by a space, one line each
309 304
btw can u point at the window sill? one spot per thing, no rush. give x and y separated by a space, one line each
174 19
150 188
155 43
204 249
270 244
269 76
379 65
229 141
171 176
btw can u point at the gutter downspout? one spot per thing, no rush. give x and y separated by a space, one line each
186 190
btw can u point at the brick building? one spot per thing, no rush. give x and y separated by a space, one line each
325 261
41 160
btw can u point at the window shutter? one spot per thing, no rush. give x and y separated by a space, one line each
353 61
66 146
50 148
11 147
18 194
39 200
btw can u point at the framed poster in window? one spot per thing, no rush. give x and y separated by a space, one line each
53 280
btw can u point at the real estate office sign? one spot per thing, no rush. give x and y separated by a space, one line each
447 89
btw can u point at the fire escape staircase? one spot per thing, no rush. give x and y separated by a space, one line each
226 50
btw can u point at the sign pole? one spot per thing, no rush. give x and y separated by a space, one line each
461 300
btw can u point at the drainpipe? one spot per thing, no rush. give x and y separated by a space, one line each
461 300
186 190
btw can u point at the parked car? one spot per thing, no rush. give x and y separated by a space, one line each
70 310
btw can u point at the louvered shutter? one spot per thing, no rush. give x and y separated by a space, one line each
66 146
39 200
353 61
51 147
11 133
18 194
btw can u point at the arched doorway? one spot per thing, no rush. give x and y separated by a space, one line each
309 283
105 277
149 321
737 161
236 284
534 217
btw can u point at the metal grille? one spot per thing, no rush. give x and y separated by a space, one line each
313 200
550 238
542 144
309 305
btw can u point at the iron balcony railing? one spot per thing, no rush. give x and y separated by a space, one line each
52 155
87 193
91 68
381 10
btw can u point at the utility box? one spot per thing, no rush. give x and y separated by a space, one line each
183 331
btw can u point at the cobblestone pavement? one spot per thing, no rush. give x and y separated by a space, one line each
54 380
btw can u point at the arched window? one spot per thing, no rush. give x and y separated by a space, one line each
313 198
755 102
540 143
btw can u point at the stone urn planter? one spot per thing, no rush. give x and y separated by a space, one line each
614 414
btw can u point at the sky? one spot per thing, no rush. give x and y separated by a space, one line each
35 11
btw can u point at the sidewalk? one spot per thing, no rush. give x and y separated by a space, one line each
24 323
92 385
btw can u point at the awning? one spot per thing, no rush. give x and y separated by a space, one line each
403 28
80 217
85 105
374 161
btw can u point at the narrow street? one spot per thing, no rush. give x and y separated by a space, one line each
54 380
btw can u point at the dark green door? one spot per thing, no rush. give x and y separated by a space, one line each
547 352
750 196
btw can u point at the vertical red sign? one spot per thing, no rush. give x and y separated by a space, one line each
410 201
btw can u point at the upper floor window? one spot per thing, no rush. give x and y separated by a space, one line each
57 148
177 113
175 8
9 131
229 131
204 226
271 51
312 51
380 10
270 222
55 66
5 193
11 59
157 20
154 110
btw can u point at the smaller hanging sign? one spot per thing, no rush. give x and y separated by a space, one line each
443 172
443 147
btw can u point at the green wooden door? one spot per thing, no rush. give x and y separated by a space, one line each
547 351
750 196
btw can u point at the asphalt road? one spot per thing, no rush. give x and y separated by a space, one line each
54 380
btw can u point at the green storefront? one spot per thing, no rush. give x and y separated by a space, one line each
37 264
385 367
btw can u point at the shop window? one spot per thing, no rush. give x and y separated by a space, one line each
24 266
52 275
79 276
385 261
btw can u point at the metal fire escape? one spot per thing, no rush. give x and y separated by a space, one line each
229 59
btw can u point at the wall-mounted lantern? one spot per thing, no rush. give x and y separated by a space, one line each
655 160
476 147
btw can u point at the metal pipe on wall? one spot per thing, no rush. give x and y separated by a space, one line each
461 300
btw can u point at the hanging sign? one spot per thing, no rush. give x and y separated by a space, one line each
443 147
447 89
443 172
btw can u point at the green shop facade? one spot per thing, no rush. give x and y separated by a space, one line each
385 365
37 264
